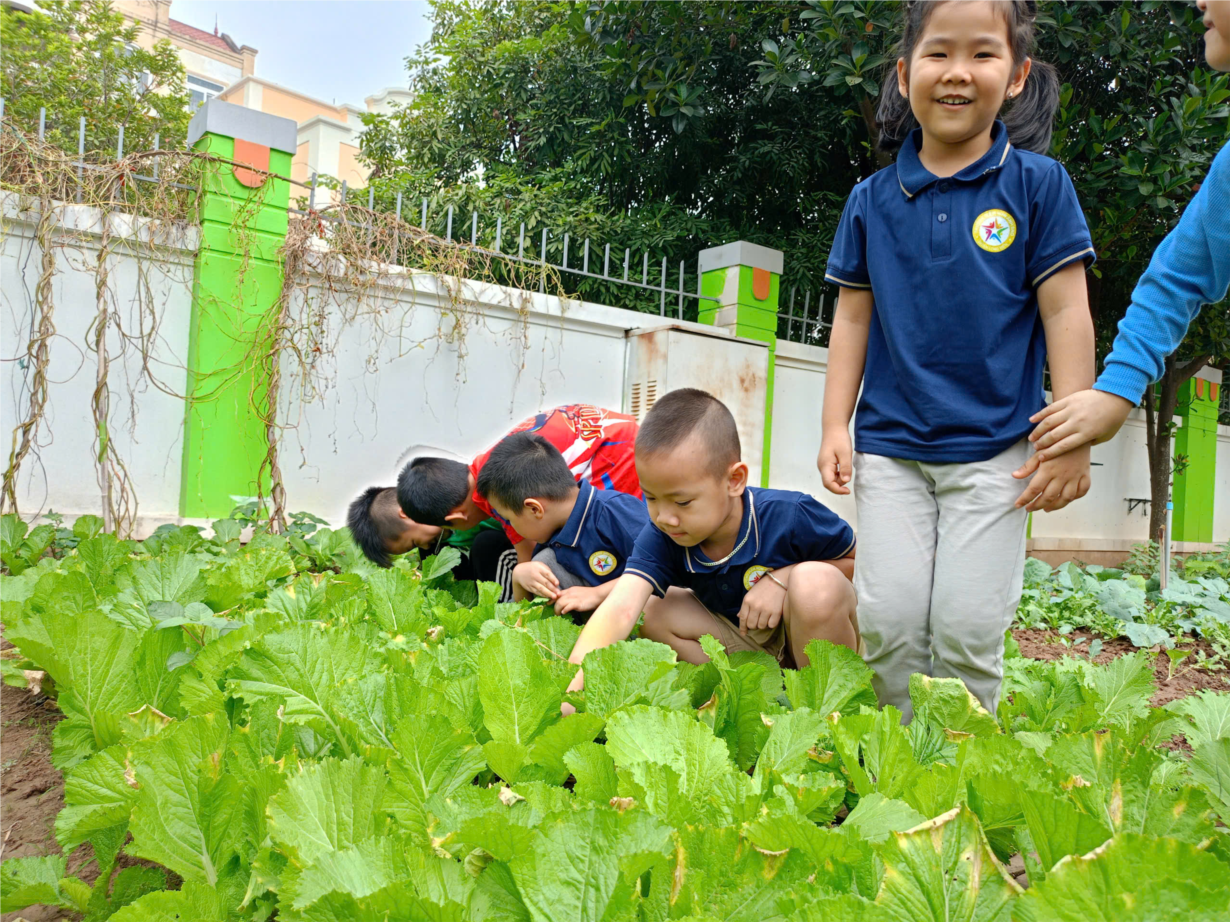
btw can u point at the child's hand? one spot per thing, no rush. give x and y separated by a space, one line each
577 683
536 579
1078 419
1058 482
577 598
762 606
834 461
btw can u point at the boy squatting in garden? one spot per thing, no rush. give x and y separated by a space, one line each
758 569
1189 269
584 535
962 272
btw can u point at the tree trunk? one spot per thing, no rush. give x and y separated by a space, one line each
1159 430
1093 285
868 112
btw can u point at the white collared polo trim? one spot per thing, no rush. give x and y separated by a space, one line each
647 578
991 169
843 283
584 512
752 528
1050 270
1007 147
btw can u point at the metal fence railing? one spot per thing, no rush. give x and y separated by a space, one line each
651 280
552 247
83 165
803 318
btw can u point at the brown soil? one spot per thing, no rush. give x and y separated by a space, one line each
1188 678
31 791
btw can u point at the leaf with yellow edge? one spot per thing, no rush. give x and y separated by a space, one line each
944 870
948 704
1131 878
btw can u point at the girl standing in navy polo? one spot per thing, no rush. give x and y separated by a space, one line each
962 271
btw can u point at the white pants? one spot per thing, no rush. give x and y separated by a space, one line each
941 555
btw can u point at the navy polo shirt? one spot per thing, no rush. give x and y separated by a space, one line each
779 527
956 348
596 541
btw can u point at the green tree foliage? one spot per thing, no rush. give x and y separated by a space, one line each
81 58
521 111
683 124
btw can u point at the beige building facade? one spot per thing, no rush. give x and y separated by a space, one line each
212 61
328 133
218 66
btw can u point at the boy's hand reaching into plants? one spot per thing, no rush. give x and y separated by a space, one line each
834 461
536 579
577 598
1057 482
1083 418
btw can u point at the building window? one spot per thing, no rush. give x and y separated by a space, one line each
200 90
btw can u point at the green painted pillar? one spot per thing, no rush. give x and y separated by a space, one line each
745 278
1197 439
237 284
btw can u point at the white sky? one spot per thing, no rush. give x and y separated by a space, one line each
335 50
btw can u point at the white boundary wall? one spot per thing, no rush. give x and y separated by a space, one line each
146 424
798 398
1221 499
414 368
511 354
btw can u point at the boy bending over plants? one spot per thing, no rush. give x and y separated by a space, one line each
584 535
758 569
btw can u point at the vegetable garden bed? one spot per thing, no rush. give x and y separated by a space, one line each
279 730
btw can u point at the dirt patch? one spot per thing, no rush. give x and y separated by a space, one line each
1187 680
31 790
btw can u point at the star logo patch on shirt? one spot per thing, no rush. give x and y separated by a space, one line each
753 574
601 562
994 230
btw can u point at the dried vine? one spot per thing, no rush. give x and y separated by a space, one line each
37 358
342 264
119 501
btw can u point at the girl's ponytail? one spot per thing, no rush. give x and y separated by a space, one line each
1028 118
894 118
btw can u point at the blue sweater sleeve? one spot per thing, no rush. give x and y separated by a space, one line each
1189 269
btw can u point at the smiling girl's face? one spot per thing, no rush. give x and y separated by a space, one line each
960 73
1217 38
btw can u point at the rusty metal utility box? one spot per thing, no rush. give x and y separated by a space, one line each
734 370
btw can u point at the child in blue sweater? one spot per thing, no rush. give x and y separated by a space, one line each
1189 269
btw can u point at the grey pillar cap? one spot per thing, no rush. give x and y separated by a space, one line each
232 121
741 253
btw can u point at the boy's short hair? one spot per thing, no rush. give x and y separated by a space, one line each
428 489
373 521
524 466
680 413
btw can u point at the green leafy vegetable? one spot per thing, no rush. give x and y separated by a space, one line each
363 744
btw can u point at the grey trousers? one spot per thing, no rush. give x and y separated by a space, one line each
941 555
567 579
